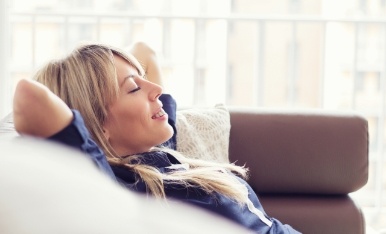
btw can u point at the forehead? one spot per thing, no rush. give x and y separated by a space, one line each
123 67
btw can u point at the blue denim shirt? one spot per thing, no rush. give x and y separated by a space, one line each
77 136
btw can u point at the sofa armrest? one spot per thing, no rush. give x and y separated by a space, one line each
300 152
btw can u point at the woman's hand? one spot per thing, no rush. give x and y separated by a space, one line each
37 111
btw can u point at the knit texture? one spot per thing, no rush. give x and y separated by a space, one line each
203 133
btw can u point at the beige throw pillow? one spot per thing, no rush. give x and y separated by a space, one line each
203 133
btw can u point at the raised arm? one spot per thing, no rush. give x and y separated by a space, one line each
37 111
147 57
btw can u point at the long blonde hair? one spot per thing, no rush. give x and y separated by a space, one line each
86 80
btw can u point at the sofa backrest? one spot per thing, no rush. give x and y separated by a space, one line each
300 152
291 152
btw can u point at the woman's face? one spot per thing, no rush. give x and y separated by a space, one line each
136 121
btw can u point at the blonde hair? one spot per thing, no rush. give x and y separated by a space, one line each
86 80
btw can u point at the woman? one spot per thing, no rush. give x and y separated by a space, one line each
115 111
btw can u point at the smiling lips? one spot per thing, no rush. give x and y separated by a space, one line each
159 114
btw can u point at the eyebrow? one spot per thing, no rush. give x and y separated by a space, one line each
131 76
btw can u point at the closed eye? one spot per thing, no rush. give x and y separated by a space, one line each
135 90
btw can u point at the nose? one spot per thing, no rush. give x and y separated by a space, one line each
155 91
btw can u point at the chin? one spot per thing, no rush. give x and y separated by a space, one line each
167 135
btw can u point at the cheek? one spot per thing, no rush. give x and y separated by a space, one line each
129 117
134 119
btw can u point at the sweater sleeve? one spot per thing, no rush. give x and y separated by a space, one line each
77 136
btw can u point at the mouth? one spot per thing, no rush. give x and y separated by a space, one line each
159 114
